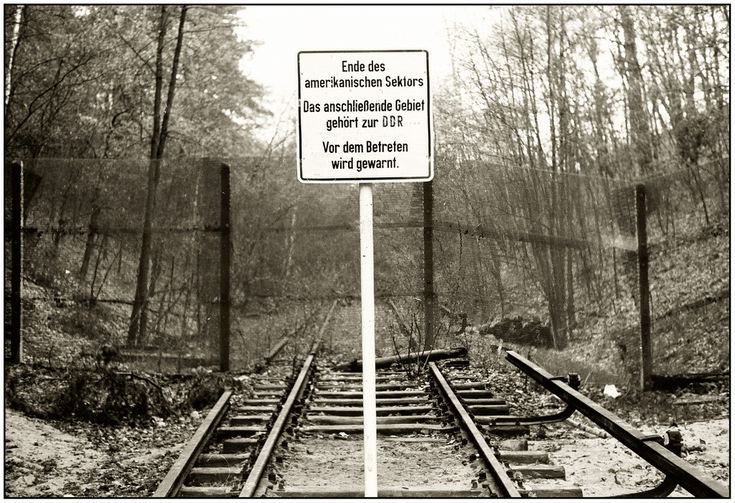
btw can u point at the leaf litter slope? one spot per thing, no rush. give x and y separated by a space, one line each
54 459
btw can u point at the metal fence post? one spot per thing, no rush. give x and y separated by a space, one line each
16 260
429 296
643 286
225 263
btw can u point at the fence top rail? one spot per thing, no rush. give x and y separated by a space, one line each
658 176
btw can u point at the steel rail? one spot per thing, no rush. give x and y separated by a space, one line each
666 487
556 417
506 486
646 446
261 462
174 479
669 483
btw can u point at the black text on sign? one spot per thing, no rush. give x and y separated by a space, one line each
364 116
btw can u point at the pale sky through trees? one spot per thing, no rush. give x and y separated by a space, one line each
283 31
452 35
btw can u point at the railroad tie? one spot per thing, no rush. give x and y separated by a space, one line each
336 386
206 492
468 385
416 440
500 419
381 411
261 401
249 419
537 466
385 429
469 402
383 492
269 387
380 401
267 394
553 492
495 409
538 471
475 393
513 445
212 475
320 393
506 429
321 419
214 459
355 376
523 456
239 431
456 363
238 445
249 409
459 377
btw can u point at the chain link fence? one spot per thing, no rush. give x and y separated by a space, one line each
529 256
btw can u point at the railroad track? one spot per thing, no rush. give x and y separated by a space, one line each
442 433
431 441
230 450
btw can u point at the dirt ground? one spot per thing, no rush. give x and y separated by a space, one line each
41 460
604 467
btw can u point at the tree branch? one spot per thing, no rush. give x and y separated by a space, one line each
172 83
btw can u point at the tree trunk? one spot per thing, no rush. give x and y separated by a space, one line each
136 330
639 131
163 308
571 317
557 329
135 335
480 292
187 299
290 239
155 272
100 255
91 241
154 174
14 42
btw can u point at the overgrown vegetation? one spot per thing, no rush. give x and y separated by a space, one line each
109 395
553 115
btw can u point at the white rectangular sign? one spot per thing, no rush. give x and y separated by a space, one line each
364 116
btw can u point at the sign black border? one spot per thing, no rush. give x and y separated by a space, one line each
429 176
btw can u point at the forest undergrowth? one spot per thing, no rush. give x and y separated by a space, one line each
690 300
134 420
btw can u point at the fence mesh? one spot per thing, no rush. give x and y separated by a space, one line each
513 248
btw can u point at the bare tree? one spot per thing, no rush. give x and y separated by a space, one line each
136 330
14 41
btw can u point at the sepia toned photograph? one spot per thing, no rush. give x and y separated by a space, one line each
367 251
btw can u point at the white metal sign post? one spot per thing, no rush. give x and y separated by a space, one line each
365 116
367 301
